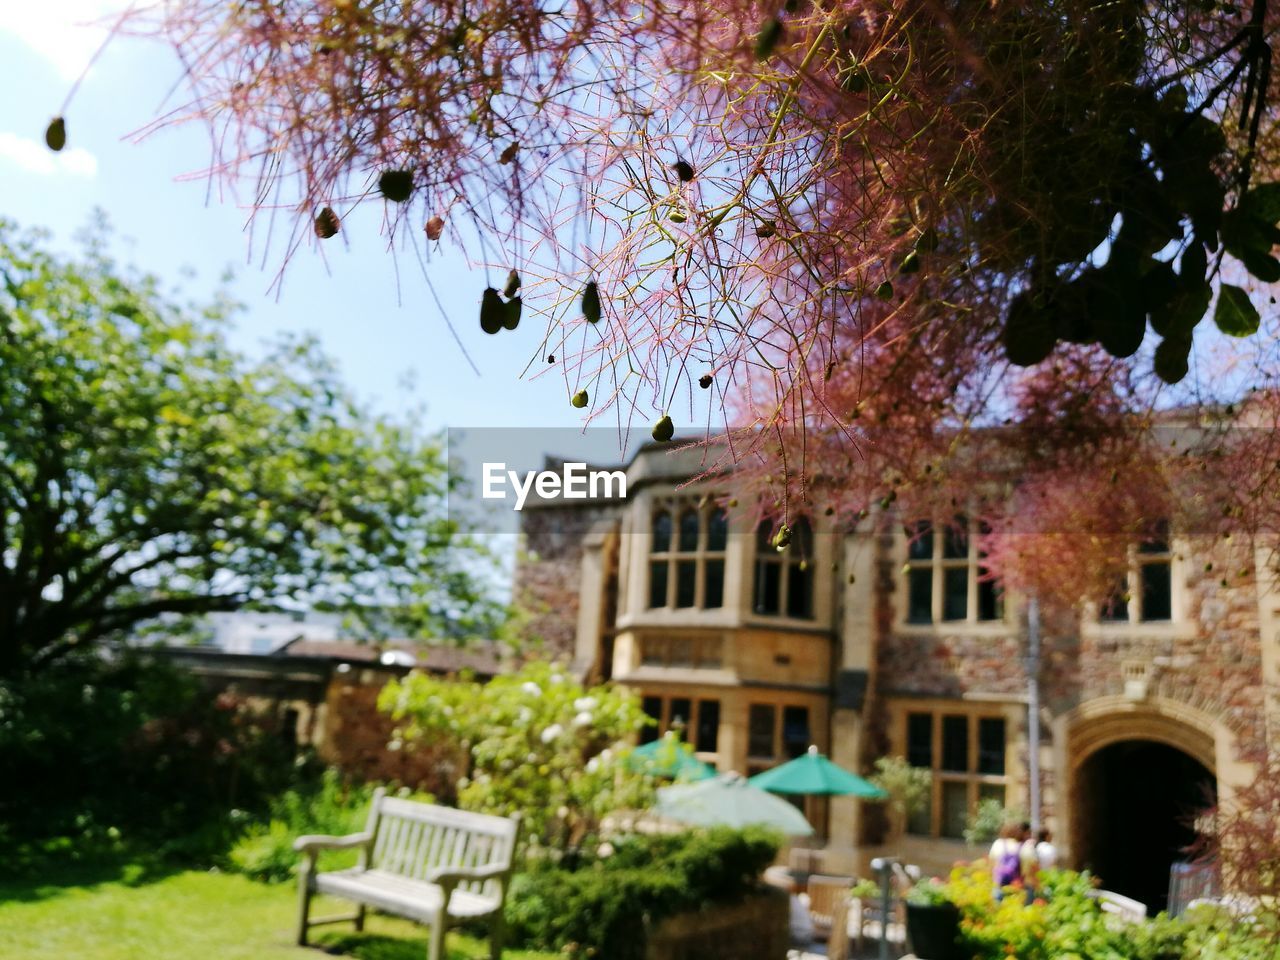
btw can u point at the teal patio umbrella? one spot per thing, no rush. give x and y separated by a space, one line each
669 757
728 800
812 773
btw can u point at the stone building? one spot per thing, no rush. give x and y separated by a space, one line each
884 641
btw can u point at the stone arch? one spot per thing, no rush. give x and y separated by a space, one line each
1098 723
1098 733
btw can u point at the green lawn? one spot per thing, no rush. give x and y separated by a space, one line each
201 916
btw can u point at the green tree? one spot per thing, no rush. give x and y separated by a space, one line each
539 742
147 469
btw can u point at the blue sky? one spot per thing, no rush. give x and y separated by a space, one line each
381 334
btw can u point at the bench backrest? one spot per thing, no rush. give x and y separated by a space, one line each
411 839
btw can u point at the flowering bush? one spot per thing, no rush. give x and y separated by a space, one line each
1066 923
539 743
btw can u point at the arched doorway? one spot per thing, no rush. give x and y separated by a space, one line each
1136 801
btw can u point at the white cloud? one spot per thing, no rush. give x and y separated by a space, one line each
35 157
65 32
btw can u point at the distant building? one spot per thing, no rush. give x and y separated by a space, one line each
248 631
873 642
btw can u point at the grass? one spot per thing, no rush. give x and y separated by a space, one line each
193 916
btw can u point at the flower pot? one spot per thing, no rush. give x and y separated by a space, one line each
933 931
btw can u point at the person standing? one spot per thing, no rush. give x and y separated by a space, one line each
1046 854
1006 859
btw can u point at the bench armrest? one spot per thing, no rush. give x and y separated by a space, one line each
455 875
313 842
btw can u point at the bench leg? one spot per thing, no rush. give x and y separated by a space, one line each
497 934
360 918
435 946
304 905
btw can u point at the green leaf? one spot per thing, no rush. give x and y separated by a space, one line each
1171 358
767 39
511 313
1262 265
492 311
513 285
56 134
1029 337
1263 202
591 302
1235 314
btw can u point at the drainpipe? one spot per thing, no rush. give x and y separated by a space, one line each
1033 708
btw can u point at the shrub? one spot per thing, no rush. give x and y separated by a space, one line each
539 743
330 806
1069 925
602 907
103 755
987 820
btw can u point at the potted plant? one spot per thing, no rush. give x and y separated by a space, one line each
933 922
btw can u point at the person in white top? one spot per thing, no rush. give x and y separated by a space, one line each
1046 852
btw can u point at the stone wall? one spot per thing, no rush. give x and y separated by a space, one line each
361 741
548 578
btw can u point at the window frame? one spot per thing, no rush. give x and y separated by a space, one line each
937 564
676 554
1138 560
788 566
689 732
758 761
973 780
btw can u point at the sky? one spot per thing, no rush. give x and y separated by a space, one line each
385 332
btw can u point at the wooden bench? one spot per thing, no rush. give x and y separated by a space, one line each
419 861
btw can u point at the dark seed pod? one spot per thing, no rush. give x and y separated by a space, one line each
579 399
434 227
885 290
513 285
511 313
591 302
683 170
509 154
766 230
704 381
551 358
664 429
56 134
768 37
910 263
927 242
396 185
327 223
492 311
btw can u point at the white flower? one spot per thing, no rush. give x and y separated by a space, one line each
584 703
606 755
582 720
593 765
525 715
557 678
552 732
605 849
395 745
562 813
531 688
531 757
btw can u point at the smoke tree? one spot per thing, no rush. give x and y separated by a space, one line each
854 235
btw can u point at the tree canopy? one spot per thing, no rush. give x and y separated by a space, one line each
146 469
863 227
